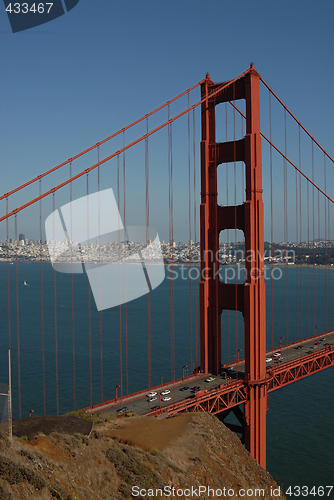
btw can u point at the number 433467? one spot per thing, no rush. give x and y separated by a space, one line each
36 8
304 491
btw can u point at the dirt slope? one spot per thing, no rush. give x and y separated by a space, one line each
133 457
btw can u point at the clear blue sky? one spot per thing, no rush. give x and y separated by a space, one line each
67 84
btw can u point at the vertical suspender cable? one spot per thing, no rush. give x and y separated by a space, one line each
218 322
42 305
17 318
125 294
235 233
227 246
190 243
148 297
271 225
313 237
319 262
119 283
72 293
300 237
326 246
329 287
286 280
55 305
8 281
297 273
88 296
195 237
100 271
308 266
171 239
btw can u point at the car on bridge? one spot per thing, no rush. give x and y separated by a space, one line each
268 360
165 392
166 399
151 394
210 379
152 399
123 409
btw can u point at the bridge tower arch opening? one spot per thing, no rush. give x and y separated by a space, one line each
248 297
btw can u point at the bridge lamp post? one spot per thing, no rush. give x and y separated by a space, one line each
162 379
183 371
315 330
280 341
118 385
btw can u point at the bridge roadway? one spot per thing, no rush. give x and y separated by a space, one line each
228 383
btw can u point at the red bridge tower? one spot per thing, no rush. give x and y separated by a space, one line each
249 298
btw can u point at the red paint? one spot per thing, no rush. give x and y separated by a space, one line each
248 298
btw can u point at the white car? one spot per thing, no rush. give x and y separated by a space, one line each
151 394
268 360
166 399
164 393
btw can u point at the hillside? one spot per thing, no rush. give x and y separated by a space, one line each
130 457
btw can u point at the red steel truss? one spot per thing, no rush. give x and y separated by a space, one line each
300 368
228 396
249 298
213 401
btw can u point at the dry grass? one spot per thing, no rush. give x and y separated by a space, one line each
183 451
150 434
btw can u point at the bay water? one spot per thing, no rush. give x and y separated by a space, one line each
300 437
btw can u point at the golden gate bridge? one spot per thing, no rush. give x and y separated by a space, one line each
247 381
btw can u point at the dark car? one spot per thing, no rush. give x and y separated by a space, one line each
123 409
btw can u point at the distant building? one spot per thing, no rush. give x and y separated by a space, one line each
22 237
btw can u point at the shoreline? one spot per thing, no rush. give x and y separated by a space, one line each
194 264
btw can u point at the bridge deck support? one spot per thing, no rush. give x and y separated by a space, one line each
248 298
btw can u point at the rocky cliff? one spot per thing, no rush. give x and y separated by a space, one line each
186 456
